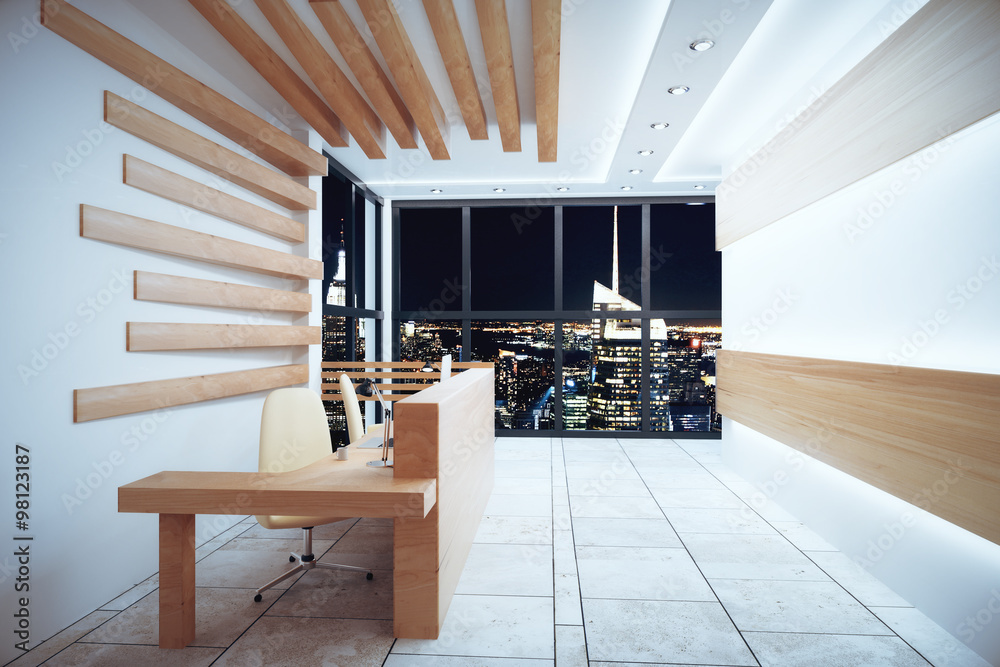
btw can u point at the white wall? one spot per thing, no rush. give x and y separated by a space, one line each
900 268
65 303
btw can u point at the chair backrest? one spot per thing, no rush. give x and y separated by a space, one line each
355 426
294 431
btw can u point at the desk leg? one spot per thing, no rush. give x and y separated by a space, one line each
176 580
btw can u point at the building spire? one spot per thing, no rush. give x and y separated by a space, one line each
614 266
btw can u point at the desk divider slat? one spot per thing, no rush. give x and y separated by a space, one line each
182 90
198 292
149 336
125 399
206 154
104 225
164 183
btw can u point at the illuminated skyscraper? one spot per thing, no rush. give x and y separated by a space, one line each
614 401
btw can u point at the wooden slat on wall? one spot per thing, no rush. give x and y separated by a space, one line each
104 225
125 399
159 181
275 71
924 435
209 155
198 292
880 112
148 336
183 91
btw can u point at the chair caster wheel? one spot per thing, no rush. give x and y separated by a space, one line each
291 559
369 576
258 597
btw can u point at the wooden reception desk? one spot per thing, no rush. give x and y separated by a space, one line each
435 493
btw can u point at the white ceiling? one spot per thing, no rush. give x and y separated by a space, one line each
772 57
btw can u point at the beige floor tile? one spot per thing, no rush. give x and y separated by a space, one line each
338 594
123 655
60 641
296 642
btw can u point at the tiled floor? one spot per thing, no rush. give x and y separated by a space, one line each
592 551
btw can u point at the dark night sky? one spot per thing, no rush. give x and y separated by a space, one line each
513 257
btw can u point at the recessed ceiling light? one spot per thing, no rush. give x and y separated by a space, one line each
701 45
626 187
635 172
696 203
660 126
645 151
562 189
499 189
699 187
436 191
678 90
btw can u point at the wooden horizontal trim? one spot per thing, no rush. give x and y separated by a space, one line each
104 225
228 23
198 292
904 430
877 114
206 154
383 375
125 399
183 91
403 364
149 336
159 181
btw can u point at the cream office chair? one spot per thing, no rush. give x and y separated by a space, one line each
293 434
352 408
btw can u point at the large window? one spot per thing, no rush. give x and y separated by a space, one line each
351 306
596 317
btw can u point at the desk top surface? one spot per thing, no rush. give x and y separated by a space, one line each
350 486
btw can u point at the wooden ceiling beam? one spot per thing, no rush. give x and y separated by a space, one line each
455 54
495 31
282 78
409 75
334 86
387 102
182 90
546 18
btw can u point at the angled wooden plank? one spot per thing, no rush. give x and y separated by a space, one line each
414 86
546 22
104 225
208 155
164 183
875 115
495 31
198 292
275 71
183 91
387 102
901 429
334 86
451 44
150 336
125 399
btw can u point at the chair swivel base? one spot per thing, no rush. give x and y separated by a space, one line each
307 561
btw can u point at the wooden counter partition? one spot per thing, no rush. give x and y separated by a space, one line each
927 436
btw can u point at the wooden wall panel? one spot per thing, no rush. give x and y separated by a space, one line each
197 292
183 91
880 112
148 336
125 399
904 430
449 433
208 155
159 181
104 225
